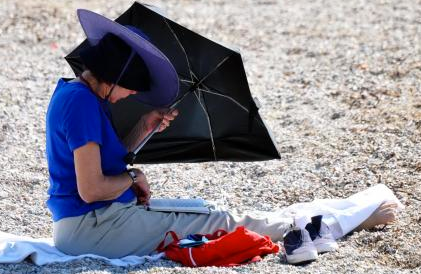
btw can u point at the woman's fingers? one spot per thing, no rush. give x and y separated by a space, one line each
170 115
174 112
162 127
165 118
144 199
166 122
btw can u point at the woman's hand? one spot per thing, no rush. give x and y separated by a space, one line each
141 188
150 120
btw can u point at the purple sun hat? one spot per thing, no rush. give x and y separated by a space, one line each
164 83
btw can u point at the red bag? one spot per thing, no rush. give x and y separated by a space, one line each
223 249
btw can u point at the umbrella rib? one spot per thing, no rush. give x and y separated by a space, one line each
187 58
213 70
181 45
186 81
209 125
232 99
226 96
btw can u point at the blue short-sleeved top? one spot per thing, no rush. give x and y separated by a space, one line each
75 116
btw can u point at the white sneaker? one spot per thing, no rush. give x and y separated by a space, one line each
321 235
299 247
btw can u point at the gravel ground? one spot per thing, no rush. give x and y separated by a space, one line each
339 84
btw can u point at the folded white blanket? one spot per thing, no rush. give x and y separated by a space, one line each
14 249
343 215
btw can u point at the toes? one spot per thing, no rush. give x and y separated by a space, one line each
389 204
388 216
387 211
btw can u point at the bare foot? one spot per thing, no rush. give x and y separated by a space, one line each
383 215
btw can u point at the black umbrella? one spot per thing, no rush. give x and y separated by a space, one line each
218 120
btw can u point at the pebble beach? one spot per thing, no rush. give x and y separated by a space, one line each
339 84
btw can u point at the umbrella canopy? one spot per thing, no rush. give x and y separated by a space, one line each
218 120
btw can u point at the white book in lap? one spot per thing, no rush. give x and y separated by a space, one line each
180 205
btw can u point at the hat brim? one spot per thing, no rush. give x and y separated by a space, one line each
164 85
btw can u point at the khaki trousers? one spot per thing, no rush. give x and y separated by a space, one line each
120 229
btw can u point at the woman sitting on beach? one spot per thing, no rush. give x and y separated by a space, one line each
93 199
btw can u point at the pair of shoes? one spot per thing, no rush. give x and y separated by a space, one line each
303 245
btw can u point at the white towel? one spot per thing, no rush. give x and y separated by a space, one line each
342 215
14 249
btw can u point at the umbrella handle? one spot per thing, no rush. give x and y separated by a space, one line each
129 158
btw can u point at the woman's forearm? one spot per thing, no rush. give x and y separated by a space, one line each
92 185
110 188
135 136
154 120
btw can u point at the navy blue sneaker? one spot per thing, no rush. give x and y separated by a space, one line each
299 247
320 235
